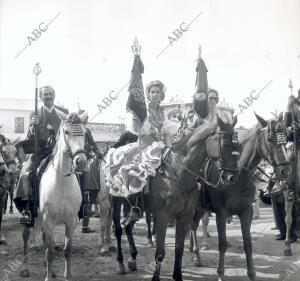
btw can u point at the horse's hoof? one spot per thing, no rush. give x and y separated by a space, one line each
57 249
132 264
287 252
104 252
54 274
150 244
252 276
121 269
112 248
2 240
24 273
197 263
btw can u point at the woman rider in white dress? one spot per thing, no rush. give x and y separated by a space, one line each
128 167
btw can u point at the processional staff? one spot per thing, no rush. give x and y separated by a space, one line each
37 71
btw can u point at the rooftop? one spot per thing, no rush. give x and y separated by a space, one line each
17 104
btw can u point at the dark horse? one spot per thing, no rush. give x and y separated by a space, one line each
174 192
9 155
3 192
261 142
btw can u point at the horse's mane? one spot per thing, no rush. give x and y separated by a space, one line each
198 131
246 135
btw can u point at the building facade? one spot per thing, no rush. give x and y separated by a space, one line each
15 117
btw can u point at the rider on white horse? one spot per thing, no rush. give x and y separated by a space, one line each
48 122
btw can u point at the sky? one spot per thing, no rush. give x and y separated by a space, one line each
85 53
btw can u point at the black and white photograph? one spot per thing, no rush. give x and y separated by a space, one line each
149 140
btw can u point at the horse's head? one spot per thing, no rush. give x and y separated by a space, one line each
3 168
272 144
221 146
74 136
9 154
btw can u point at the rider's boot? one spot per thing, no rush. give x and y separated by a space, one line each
87 207
85 225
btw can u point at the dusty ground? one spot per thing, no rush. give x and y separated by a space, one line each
88 265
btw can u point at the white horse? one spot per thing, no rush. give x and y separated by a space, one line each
60 195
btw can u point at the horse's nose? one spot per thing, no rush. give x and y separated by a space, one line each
80 162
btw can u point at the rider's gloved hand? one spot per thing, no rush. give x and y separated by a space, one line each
35 120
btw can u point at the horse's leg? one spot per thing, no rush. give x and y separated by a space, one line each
288 222
246 219
69 230
2 238
117 202
221 226
182 227
108 240
149 232
11 194
162 220
49 255
133 251
153 227
194 247
25 271
4 206
205 222
104 213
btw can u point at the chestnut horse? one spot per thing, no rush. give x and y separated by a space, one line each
265 141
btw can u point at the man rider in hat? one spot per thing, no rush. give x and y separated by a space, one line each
47 122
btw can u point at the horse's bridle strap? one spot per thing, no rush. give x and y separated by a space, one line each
198 177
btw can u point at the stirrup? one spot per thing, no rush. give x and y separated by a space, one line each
133 216
87 211
23 217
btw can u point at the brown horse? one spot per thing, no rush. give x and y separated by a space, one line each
174 192
262 142
3 192
9 154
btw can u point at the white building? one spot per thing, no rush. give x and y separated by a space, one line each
15 117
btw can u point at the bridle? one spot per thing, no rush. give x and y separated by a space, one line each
199 177
268 156
220 161
76 131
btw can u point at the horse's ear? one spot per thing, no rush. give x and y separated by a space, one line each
280 117
63 116
261 120
234 121
220 122
83 116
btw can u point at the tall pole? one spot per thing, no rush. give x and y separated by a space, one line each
37 71
295 142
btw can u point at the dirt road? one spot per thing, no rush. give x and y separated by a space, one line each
89 265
